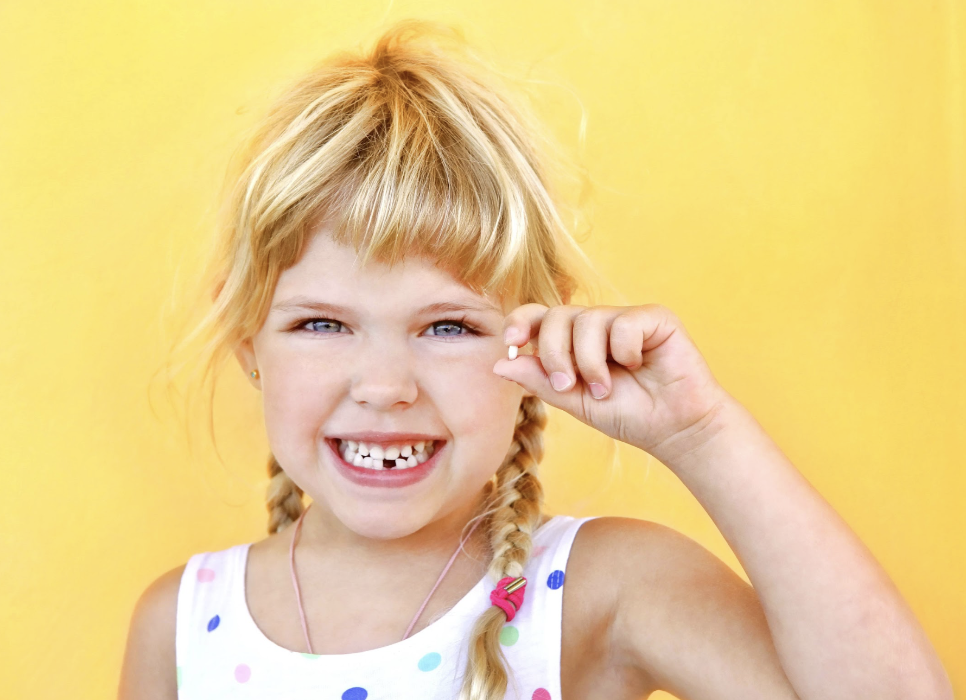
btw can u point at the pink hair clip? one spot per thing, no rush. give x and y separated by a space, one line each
508 595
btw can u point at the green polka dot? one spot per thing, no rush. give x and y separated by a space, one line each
179 676
310 656
509 635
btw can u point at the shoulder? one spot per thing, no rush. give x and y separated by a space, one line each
615 555
675 614
149 670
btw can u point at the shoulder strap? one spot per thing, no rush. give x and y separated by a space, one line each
532 642
210 583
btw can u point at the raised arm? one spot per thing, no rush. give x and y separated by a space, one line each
840 627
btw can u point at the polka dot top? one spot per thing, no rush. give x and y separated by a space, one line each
221 653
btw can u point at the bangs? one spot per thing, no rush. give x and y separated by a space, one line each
427 182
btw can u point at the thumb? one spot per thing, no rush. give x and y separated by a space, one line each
527 371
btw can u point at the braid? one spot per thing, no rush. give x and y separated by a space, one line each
517 501
284 498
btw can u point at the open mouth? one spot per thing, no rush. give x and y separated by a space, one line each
379 457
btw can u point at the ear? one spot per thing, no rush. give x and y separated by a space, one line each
245 352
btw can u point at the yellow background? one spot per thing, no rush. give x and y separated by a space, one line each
787 177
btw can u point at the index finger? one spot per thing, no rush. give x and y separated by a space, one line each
522 323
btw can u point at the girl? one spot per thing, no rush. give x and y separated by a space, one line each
392 241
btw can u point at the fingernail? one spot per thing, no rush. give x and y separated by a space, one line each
559 381
598 391
510 335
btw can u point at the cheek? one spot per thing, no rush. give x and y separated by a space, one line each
479 405
296 405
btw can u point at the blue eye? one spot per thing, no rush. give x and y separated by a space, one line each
316 324
452 325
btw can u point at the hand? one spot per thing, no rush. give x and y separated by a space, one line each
653 388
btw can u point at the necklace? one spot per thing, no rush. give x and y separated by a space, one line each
298 594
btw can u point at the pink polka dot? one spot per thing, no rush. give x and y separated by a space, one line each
243 673
540 694
205 575
537 551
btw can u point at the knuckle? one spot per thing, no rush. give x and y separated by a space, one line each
556 357
623 325
586 317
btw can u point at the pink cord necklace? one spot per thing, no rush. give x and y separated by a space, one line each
298 595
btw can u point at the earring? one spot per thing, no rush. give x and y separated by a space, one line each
255 374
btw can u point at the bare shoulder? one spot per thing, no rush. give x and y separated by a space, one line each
676 617
149 671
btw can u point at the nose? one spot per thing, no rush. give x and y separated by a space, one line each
383 376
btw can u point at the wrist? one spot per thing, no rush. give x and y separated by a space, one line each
696 444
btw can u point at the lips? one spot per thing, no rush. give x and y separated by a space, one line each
385 478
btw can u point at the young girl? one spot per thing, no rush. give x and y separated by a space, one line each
392 242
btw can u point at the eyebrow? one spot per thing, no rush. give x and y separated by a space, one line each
304 303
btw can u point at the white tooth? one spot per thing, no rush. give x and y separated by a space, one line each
353 445
392 452
376 463
358 460
419 446
363 449
350 455
421 457
406 450
367 462
411 461
377 452
400 462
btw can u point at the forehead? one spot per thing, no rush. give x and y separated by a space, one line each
332 272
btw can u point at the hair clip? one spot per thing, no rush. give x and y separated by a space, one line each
508 595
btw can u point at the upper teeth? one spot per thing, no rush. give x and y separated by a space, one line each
373 456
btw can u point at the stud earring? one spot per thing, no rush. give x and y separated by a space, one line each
255 374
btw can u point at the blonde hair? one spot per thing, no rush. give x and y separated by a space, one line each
410 148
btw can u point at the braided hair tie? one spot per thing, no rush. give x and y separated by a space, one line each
508 595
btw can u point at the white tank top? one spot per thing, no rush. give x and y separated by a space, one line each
221 653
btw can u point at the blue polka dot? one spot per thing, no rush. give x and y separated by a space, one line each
430 661
355 694
556 579
213 622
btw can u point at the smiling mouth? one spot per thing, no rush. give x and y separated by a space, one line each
395 457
